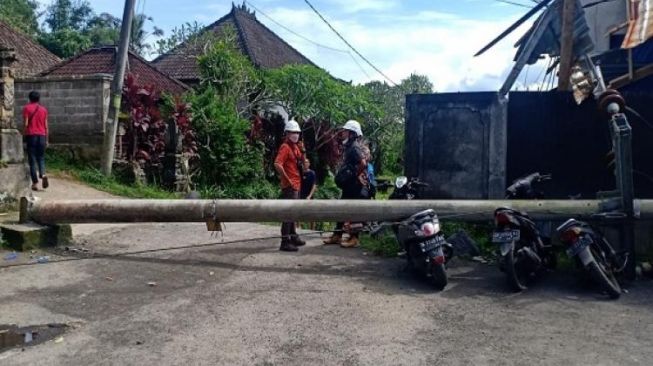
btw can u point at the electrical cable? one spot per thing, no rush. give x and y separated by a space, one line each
295 33
348 44
514 3
317 44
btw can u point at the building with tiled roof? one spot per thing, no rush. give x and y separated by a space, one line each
263 47
32 58
102 61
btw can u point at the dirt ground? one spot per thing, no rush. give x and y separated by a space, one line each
246 303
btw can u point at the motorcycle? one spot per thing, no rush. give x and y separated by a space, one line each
522 251
594 253
407 188
420 236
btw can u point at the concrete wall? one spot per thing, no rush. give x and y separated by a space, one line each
456 142
77 106
600 18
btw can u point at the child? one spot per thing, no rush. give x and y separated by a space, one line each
308 186
308 182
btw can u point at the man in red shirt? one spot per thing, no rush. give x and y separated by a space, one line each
35 117
289 164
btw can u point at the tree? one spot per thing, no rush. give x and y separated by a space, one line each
73 27
65 42
389 130
221 119
188 32
20 14
103 30
68 14
67 21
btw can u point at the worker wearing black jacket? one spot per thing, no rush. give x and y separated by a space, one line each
351 178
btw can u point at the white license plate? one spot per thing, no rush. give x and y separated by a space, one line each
578 246
433 243
505 236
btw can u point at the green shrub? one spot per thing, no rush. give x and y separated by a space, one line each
385 244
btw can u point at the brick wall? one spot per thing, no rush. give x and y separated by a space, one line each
77 106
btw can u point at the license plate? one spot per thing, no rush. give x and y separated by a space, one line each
578 246
433 243
505 236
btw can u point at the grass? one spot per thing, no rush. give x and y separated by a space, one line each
91 175
386 245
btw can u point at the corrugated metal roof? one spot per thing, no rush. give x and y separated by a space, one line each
549 42
544 39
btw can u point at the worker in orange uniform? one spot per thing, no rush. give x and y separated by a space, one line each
289 164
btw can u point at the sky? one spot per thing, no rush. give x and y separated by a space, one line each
437 38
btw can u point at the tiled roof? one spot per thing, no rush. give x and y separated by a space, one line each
262 46
102 61
32 57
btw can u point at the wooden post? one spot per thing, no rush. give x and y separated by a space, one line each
566 44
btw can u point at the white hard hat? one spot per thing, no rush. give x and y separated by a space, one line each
353 126
292 126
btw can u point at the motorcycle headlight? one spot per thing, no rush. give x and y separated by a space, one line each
401 181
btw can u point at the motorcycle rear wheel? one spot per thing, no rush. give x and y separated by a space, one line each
438 276
604 278
513 278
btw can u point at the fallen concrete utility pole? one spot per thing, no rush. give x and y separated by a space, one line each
127 210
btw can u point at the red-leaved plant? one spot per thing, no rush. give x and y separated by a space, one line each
144 139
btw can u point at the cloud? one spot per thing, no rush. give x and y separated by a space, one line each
442 50
355 6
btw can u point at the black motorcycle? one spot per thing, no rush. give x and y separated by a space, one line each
404 188
420 236
522 251
594 253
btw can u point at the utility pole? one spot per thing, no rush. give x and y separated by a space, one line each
566 44
111 127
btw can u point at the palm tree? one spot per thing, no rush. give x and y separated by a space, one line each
138 40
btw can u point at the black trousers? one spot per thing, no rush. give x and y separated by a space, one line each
36 156
288 228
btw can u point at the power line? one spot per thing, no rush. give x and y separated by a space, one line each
310 40
348 44
514 3
295 33
359 65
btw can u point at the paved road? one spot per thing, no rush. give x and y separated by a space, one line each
247 303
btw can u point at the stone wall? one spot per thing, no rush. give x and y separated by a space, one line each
77 106
14 180
456 142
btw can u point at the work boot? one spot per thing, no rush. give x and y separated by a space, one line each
350 243
287 247
333 239
296 240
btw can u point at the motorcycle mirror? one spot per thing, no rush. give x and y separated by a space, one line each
401 181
